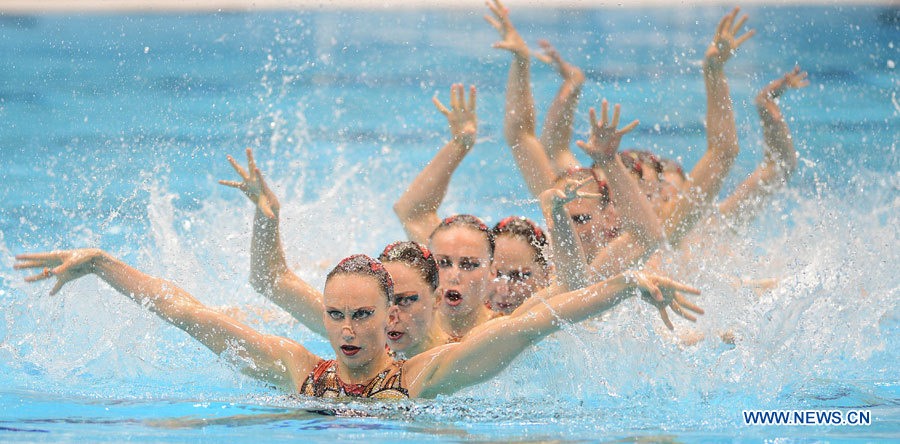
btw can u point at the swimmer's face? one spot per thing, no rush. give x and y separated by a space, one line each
356 318
416 303
464 268
595 224
660 189
517 273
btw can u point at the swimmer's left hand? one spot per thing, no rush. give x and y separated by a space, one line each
605 138
663 292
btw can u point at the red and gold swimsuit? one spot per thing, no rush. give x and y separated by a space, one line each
324 382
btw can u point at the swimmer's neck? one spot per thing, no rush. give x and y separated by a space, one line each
459 326
365 373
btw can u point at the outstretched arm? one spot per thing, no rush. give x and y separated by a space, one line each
721 133
487 351
780 158
556 134
272 359
518 124
269 273
417 207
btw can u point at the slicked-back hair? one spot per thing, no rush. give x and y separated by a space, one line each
360 264
414 255
467 220
527 230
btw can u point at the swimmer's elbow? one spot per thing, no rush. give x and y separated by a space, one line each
515 133
400 209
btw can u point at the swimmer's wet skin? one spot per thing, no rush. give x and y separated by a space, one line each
357 298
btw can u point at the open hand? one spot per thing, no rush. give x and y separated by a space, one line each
725 41
253 186
663 292
511 40
793 79
66 265
568 191
567 71
461 116
605 138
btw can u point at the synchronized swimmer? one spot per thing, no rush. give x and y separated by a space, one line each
454 304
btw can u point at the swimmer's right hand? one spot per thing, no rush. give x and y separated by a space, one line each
792 79
254 186
603 143
567 192
66 265
512 41
725 41
552 57
461 116
663 292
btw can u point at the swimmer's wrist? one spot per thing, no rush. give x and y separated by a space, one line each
712 68
100 260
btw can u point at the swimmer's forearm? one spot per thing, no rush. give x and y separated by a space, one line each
267 259
556 134
487 351
519 129
426 193
271 277
519 119
623 253
272 359
721 132
778 139
568 253
634 208
705 180
778 164
161 297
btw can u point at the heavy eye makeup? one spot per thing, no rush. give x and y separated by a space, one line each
405 300
514 275
581 219
465 263
359 314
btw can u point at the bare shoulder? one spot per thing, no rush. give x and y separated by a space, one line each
419 371
295 360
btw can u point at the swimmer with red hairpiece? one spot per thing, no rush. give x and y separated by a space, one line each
412 266
358 305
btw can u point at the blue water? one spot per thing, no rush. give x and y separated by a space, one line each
115 130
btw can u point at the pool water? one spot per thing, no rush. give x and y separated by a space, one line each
115 131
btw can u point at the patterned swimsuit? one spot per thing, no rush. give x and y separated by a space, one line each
324 382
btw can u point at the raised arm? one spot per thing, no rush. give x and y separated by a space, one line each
487 351
556 134
707 177
634 208
272 359
568 254
518 123
417 207
269 272
780 158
